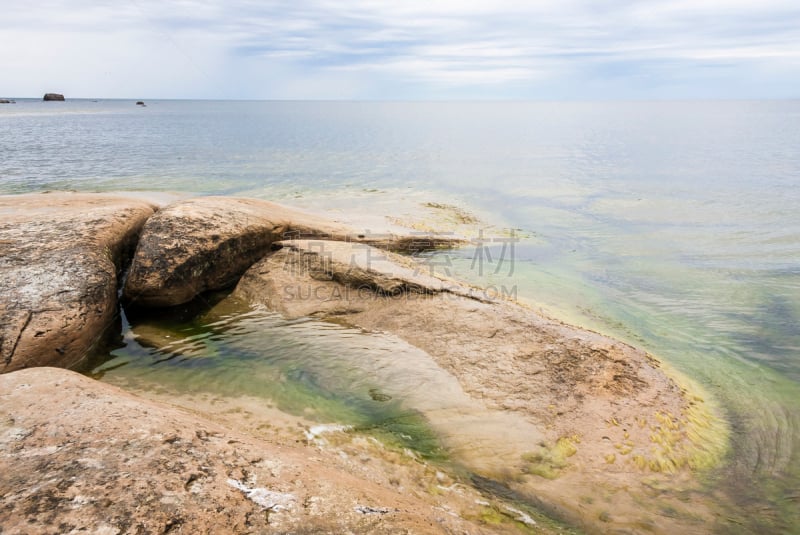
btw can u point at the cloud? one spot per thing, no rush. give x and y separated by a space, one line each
426 49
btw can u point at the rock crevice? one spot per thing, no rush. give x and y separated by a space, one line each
60 256
207 243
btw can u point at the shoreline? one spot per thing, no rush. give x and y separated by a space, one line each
545 461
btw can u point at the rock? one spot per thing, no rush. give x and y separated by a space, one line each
6 101
140 103
362 266
53 97
60 254
575 384
336 268
457 324
207 243
79 455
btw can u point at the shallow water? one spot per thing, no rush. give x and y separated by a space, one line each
322 372
703 325
672 225
315 370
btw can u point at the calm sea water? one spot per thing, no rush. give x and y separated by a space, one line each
673 225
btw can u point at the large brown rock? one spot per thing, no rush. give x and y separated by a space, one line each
59 258
206 243
607 410
100 460
53 97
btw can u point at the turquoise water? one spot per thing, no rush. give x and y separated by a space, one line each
673 225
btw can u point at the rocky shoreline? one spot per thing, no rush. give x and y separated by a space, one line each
99 460
587 414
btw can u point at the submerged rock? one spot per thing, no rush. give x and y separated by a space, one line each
53 97
59 259
206 243
77 454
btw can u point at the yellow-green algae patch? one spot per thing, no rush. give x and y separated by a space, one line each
697 438
548 460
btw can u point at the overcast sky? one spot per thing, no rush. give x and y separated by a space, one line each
401 49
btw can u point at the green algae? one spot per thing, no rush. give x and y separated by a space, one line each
228 350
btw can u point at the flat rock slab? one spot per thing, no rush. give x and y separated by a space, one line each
59 258
99 460
608 410
206 243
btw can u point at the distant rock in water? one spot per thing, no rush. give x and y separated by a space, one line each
140 103
53 96
6 101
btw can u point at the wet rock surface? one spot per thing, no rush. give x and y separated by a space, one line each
608 411
60 255
104 461
206 243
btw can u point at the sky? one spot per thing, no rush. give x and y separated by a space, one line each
401 49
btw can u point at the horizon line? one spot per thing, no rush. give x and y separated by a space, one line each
420 100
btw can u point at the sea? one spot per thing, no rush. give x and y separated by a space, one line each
672 225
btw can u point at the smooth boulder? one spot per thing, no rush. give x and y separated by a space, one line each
207 243
60 254
56 97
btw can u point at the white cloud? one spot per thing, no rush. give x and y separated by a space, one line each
199 48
